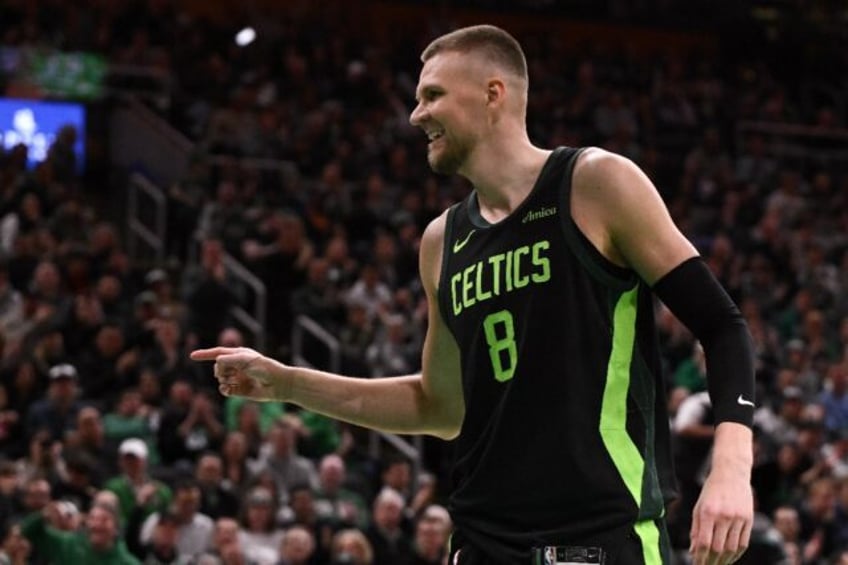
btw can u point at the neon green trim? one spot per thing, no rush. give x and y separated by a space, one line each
649 535
613 426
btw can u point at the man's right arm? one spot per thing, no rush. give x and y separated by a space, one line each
430 402
49 541
34 528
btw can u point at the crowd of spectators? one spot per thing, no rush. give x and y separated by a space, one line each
113 444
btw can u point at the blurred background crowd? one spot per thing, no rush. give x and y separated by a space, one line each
299 172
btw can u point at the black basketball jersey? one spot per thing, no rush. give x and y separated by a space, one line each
565 434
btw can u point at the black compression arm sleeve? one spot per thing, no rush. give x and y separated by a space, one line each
698 300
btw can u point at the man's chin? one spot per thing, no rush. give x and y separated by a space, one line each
442 166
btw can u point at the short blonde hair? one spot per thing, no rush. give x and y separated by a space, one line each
497 45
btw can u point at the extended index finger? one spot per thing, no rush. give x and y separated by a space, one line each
210 354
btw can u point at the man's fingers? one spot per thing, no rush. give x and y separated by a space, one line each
695 530
702 537
719 546
722 543
226 356
744 539
733 544
209 354
230 368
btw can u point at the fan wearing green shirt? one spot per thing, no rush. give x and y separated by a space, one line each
98 543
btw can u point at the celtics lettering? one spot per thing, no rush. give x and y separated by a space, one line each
500 274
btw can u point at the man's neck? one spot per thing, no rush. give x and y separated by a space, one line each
504 176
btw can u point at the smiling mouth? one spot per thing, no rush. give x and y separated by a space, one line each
436 143
435 135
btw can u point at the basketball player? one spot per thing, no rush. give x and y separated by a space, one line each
540 355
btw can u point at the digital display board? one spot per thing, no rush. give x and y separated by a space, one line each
35 123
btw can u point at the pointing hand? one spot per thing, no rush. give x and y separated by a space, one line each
241 371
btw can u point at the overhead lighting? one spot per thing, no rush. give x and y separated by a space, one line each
245 37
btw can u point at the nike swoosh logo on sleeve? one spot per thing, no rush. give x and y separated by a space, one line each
742 402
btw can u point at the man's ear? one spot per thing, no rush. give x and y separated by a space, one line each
495 91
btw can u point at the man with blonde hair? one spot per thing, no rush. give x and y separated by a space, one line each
541 354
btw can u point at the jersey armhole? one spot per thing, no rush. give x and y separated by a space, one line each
598 266
444 306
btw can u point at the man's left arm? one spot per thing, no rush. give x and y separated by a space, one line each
723 516
627 220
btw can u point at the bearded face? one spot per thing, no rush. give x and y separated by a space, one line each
448 153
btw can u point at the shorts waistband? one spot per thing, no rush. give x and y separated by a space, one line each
568 555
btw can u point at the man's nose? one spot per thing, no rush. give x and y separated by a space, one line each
415 116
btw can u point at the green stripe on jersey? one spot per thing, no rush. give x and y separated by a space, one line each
626 456
649 535
613 426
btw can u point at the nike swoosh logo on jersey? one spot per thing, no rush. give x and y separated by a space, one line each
741 401
459 244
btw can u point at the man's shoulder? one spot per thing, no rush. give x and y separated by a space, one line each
434 232
594 165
